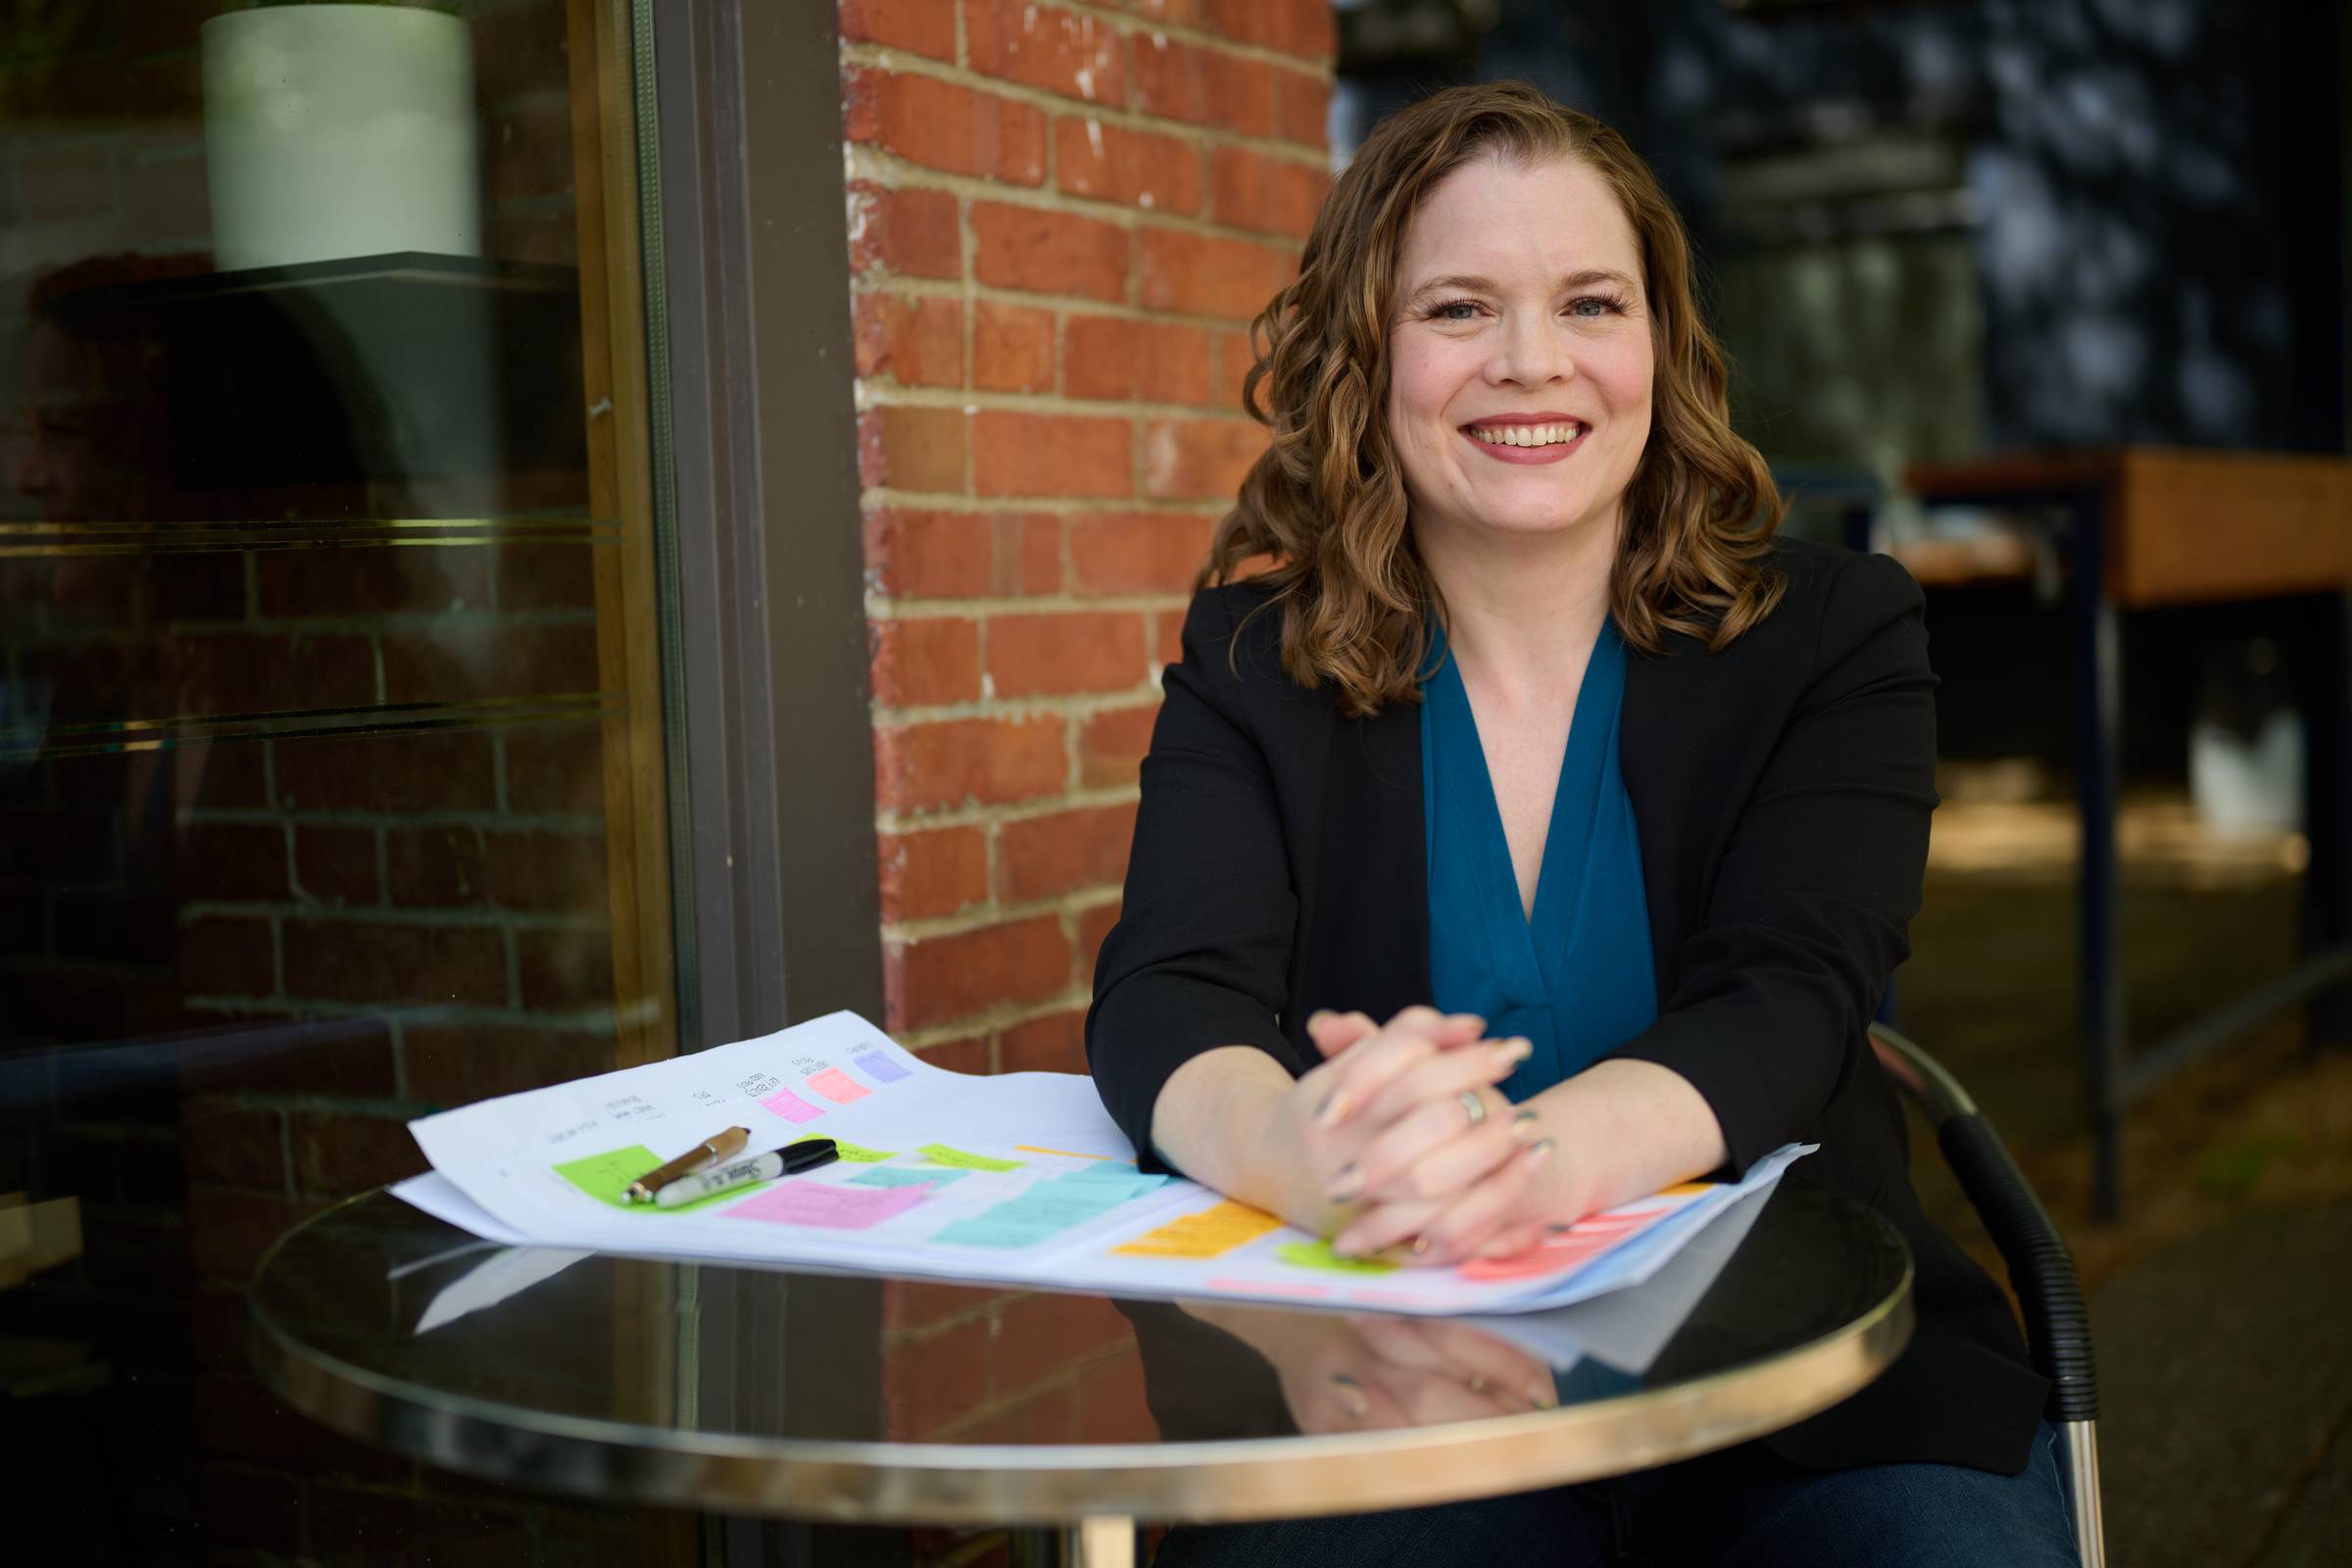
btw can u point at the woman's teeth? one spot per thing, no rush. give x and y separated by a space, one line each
1527 435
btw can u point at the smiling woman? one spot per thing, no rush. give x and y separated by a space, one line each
1498 242
1539 830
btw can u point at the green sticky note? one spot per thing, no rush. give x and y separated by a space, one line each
942 1155
604 1176
1318 1254
855 1154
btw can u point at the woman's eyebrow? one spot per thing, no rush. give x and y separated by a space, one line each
1471 284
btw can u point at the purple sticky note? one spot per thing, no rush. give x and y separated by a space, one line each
840 1208
838 1086
880 1068
790 1107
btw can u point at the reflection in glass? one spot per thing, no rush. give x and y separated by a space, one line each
308 672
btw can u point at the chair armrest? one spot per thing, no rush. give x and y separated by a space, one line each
2040 1268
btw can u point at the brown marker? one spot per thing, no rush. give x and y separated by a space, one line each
710 1151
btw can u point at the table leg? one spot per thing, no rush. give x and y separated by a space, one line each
2328 811
1105 1543
2098 688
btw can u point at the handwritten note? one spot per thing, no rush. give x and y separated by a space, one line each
838 1086
840 1208
790 1107
962 1159
880 1068
1208 1233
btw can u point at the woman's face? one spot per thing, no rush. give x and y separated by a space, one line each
1520 355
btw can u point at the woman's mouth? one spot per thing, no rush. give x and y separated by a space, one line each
1528 443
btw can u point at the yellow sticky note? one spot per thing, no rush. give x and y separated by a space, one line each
1207 1234
962 1159
856 1153
1688 1189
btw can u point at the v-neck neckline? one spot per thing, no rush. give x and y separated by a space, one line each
1575 790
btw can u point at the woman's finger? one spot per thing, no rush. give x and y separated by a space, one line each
1443 1076
1434 1153
1481 1214
1413 1036
1335 1032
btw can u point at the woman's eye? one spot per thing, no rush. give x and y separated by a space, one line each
1457 311
1593 307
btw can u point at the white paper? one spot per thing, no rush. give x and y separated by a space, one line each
1020 1178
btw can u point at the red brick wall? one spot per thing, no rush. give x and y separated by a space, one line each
1062 218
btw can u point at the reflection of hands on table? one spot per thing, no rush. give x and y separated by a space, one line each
1354 1372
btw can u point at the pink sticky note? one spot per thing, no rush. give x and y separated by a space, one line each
840 1208
790 1107
838 1086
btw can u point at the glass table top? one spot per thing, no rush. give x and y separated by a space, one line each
859 1398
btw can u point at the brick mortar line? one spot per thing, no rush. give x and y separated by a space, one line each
1189 35
884 392
895 173
595 1019
883 495
575 823
1066 1376
930 928
879 279
1013 813
894 821
444 918
993 1020
910 715
884 609
962 73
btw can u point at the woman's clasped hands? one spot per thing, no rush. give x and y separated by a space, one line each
1406 1147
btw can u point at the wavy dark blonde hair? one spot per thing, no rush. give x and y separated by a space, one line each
1327 502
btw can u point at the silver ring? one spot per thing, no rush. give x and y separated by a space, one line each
1472 1104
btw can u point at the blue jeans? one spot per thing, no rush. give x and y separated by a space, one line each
1743 1508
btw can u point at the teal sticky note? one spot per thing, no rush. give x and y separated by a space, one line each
900 1176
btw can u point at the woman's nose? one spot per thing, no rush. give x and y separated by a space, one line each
1530 353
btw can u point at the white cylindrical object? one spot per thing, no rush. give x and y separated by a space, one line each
332 132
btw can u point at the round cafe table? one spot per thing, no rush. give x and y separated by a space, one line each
847 1397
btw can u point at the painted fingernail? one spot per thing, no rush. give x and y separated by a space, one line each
1559 1227
1351 1396
1420 1246
1524 1124
1514 1050
1347 1184
1541 1148
1542 1396
1332 1111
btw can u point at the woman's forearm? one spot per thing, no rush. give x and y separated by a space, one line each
1627 1129
1211 1122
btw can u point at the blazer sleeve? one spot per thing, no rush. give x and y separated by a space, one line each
1818 881
1199 953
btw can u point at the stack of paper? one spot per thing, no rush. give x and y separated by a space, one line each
1020 1178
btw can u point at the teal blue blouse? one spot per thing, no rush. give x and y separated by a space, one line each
1576 978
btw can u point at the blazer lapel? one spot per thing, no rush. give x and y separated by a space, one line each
1666 704
1372 904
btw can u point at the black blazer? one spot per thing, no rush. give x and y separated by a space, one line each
1783 789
